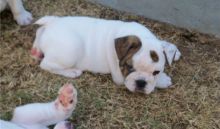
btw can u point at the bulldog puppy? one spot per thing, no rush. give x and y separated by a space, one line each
128 50
22 16
45 114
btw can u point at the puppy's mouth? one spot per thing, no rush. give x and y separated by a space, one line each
139 90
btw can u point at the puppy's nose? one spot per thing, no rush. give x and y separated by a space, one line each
140 84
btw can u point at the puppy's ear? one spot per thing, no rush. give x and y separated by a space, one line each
125 48
171 52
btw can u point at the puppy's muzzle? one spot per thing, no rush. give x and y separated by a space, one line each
140 84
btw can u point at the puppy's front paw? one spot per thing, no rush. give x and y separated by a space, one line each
163 81
72 73
23 18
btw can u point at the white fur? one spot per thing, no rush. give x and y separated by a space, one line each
41 115
130 81
75 44
163 81
11 125
22 16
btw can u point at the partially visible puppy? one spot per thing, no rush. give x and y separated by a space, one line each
10 125
22 16
41 115
46 114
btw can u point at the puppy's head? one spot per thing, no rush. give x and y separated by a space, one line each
67 98
140 62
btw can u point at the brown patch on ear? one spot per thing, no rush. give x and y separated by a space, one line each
154 56
126 47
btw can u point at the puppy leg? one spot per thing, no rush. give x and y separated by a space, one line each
58 69
45 114
22 16
9 125
172 53
163 81
117 79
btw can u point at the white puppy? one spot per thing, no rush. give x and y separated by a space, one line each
128 50
41 115
46 114
22 16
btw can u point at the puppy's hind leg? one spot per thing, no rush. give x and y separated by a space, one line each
55 68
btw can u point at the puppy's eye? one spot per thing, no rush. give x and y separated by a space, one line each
71 101
156 72
130 68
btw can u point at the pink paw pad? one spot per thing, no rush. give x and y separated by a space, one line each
66 95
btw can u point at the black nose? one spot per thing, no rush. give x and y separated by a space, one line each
140 84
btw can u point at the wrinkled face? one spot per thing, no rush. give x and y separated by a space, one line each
140 64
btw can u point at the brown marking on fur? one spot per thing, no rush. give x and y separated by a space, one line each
154 56
126 47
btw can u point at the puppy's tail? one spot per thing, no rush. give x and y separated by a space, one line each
46 20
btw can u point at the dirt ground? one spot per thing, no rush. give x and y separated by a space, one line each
193 102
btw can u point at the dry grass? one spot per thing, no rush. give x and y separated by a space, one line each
194 102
